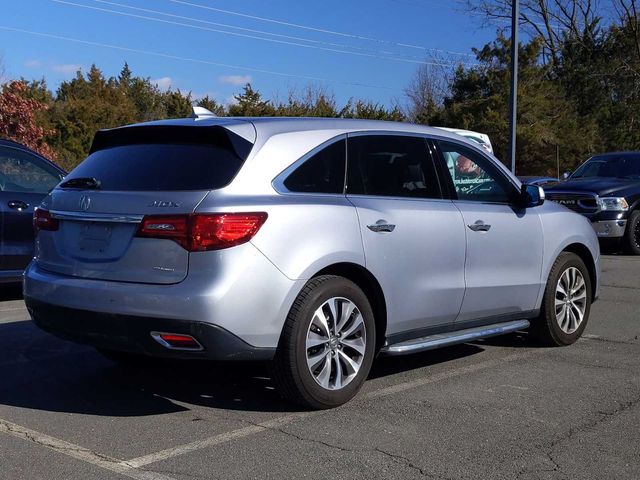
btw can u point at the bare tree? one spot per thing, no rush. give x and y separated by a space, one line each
629 16
427 90
551 20
3 71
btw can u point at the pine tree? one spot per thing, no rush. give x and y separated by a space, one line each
250 104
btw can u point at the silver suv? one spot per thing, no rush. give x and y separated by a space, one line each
315 244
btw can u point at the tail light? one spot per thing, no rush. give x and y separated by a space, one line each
42 220
202 232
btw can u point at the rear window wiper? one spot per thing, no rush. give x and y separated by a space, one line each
84 183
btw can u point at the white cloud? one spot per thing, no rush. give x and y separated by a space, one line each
34 63
231 100
235 79
163 83
200 95
66 69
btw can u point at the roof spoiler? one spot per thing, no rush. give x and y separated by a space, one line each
148 134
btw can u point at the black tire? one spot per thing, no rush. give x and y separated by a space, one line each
546 327
632 234
291 375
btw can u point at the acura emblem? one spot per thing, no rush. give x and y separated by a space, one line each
84 203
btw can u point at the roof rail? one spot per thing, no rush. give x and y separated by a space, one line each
201 112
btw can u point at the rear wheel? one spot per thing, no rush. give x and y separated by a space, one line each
632 234
566 303
327 344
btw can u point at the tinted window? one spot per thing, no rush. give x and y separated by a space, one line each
474 177
322 173
613 165
166 167
390 165
23 172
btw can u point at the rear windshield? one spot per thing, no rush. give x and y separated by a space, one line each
160 166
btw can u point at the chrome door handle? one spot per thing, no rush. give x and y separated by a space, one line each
480 226
18 205
381 226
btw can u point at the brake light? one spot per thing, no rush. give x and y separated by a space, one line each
42 220
202 232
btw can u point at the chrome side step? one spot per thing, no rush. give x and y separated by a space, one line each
452 338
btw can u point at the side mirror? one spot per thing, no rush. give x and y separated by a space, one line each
566 175
531 196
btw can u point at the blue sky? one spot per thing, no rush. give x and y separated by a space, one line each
384 41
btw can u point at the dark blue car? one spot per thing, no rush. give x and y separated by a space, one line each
25 179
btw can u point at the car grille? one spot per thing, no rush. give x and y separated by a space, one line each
578 202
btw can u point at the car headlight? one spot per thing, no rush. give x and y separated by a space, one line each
618 204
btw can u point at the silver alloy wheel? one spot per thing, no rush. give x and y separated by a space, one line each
336 343
571 300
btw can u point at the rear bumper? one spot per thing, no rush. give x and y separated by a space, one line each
10 276
236 289
132 334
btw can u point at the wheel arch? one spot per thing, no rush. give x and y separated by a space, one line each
371 288
582 251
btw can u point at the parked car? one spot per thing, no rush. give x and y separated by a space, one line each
481 139
541 181
606 190
311 243
25 179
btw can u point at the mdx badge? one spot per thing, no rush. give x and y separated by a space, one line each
84 203
163 204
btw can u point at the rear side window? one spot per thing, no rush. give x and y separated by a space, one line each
391 165
322 173
160 167
23 172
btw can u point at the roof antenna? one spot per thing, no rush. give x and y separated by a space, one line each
201 112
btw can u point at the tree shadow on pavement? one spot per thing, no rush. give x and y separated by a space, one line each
41 372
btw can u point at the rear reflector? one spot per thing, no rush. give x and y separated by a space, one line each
42 220
202 232
176 341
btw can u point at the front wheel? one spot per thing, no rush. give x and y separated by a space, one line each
327 345
566 303
632 234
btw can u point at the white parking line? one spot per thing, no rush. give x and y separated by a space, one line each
79 453
131 468
401 387
280 421
216 440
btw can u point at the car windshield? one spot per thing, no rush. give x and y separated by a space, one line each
619 166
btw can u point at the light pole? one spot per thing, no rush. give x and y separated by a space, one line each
513 102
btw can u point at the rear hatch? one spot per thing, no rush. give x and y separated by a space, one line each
131 173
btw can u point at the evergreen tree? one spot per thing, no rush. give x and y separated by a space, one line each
212 105
250 104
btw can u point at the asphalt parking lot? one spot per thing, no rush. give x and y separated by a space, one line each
502 408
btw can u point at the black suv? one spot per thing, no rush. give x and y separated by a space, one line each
25 179
606 190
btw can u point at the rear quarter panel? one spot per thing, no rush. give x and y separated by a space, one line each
303 233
